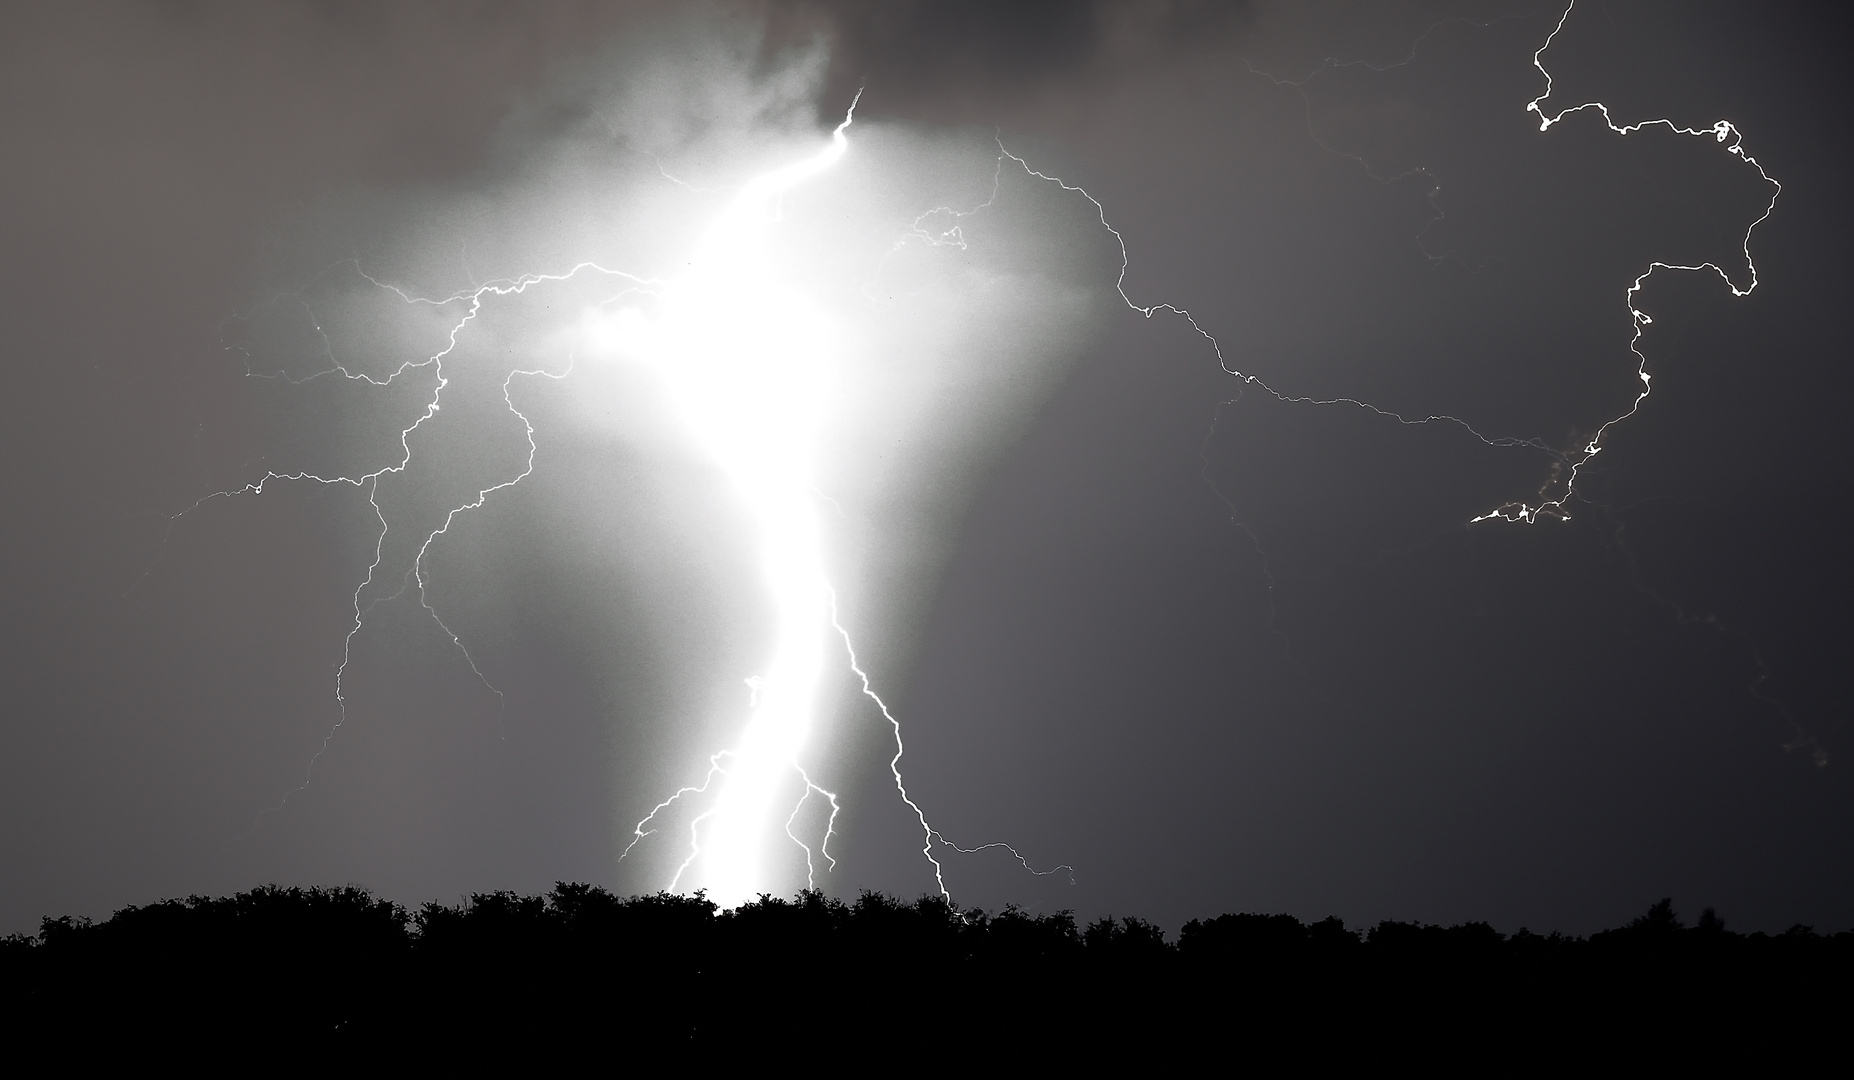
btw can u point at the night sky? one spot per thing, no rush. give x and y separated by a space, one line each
1214 632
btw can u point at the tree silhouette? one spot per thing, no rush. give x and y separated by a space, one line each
496 977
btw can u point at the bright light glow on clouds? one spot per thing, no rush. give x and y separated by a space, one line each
744 357
837 388
793 377
443 433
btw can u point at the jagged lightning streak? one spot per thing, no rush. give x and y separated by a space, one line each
929 835
1552 505
953 235
743 358
1728 135
1723 132
414 575
1567 464
945 226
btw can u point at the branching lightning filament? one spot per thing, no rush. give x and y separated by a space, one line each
1722 132
368 593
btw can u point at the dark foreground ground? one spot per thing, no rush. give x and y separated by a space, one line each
280 977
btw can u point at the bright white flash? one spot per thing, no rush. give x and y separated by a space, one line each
744 359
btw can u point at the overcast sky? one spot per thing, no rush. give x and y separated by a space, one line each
1211 629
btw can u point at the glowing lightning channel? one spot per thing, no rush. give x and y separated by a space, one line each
1723 132
745 360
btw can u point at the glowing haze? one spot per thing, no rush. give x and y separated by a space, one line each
746 359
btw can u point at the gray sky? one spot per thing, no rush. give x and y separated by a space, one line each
1217 648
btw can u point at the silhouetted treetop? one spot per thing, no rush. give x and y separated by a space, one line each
335 970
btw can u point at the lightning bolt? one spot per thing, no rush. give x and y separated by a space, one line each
1728 136
1722 132
414 578
929 835
717 387
772 470
945 226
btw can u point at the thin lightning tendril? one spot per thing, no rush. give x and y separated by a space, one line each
929 834
1568 465
944 226
954 236
369 481
1723 132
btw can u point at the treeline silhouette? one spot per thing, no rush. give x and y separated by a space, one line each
500 978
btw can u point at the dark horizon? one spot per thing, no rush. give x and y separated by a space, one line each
1659 916
507 974
1216 642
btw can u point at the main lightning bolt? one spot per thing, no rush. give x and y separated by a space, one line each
746 359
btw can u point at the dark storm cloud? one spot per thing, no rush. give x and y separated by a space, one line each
969 61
